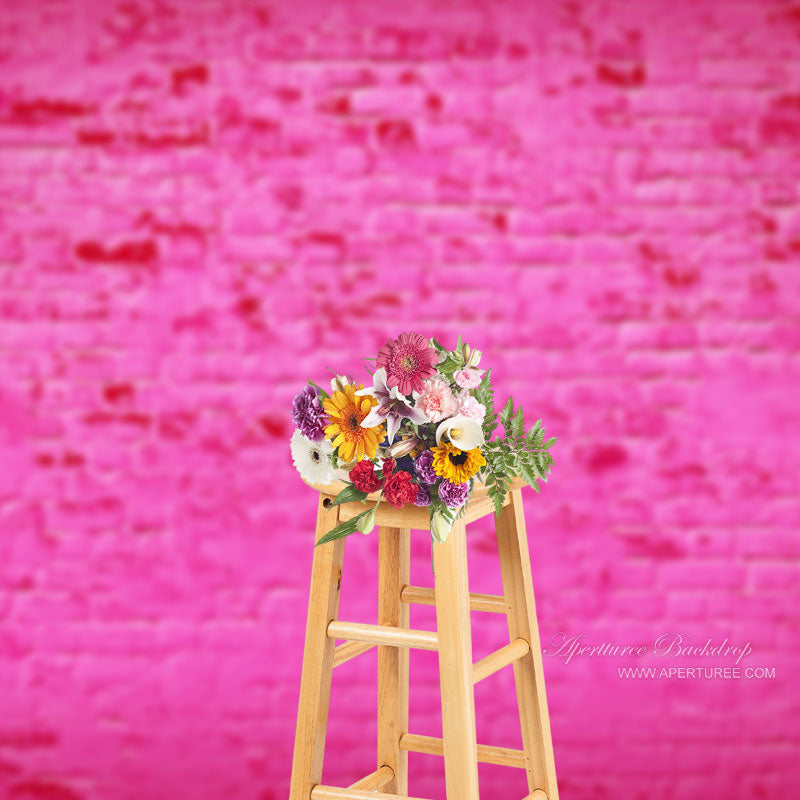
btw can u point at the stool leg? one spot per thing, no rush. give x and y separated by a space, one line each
515 564
455 665
315 684
394 547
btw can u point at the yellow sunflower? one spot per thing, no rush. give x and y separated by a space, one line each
458 466
346 412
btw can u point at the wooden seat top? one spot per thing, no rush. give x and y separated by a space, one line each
416 517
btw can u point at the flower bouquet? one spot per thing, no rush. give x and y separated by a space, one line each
421 434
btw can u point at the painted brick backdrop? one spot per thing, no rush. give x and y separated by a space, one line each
204 203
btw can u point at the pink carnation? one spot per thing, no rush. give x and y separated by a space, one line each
437 400
468 378
469 407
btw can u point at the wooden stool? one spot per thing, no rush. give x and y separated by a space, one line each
453 640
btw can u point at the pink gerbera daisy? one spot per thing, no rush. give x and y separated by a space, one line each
409 360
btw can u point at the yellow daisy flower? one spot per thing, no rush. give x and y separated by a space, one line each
346 412
457 466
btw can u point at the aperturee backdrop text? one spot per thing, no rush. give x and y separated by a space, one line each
420 434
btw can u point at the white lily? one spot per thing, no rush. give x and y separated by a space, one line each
463 432
404 446
392 407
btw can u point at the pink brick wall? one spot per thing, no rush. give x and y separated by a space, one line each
204 203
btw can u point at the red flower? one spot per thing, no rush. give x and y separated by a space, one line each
364 478
399 490
388 467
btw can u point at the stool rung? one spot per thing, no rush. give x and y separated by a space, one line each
500 658
375 780
423 596
344 652
383 634
432 745
536 794
320 792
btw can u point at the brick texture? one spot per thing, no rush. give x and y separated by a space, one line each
205 202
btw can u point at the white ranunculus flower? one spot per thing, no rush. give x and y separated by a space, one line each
463 432
312 459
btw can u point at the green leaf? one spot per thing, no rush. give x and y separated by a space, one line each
485 396
449 365
321 391
528 475
550 442
508 410
343 529
498 495
348 495
518 423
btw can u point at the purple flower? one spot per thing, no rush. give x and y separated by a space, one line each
308 414
423 466
423 498
454 495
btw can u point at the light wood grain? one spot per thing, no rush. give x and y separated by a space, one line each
421 595
406 517
315 682
393 637
375 781
394 558
380 634
479 507
455 665
487 754
333 793
499 659
344 652
515 567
